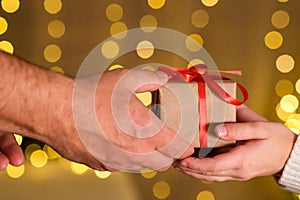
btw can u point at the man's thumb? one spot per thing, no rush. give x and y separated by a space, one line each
153 80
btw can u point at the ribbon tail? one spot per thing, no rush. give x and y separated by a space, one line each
202 114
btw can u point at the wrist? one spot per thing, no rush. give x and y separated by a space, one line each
58 115
32 99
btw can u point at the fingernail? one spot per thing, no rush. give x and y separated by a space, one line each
221 130
162 75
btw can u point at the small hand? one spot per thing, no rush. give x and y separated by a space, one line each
10 151
265 151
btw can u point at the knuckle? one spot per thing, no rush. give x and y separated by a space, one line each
244 171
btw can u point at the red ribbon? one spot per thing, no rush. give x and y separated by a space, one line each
199 73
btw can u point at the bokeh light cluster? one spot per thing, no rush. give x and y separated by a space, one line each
288 107
9 6
56 29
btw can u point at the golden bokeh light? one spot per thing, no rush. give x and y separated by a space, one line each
209 3
297 86
115 67
18 138
200 18
296 131
3 25
52 53
15 172
194 42
284 87
294 116
114 12
53 6
283 1
118 30
285 63
145 98
57 69
78 168
282 115
64 162
51 153
280 19
195 62
56 28
156 4
161 190
145 49
39 158
205 195
110 49
148 23
294 124
273 40
30 149
6 46
10 6
289 103
148 174
102 174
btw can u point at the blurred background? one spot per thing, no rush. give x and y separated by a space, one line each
261 38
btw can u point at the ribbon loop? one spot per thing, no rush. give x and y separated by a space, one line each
200 73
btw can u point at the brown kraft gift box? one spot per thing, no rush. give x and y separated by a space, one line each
177 105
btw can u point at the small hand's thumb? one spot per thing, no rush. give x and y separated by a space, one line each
240 131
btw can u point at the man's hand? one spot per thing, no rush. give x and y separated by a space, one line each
119 130
265 150
103 125
10 151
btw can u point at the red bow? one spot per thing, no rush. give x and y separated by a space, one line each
199 73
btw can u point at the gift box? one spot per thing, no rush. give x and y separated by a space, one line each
192 103
178 108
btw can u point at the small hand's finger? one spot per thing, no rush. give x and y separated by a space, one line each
233 173
207 177
245 114
11 149
241 131
3 161
223 162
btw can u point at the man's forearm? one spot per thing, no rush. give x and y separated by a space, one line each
32 99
